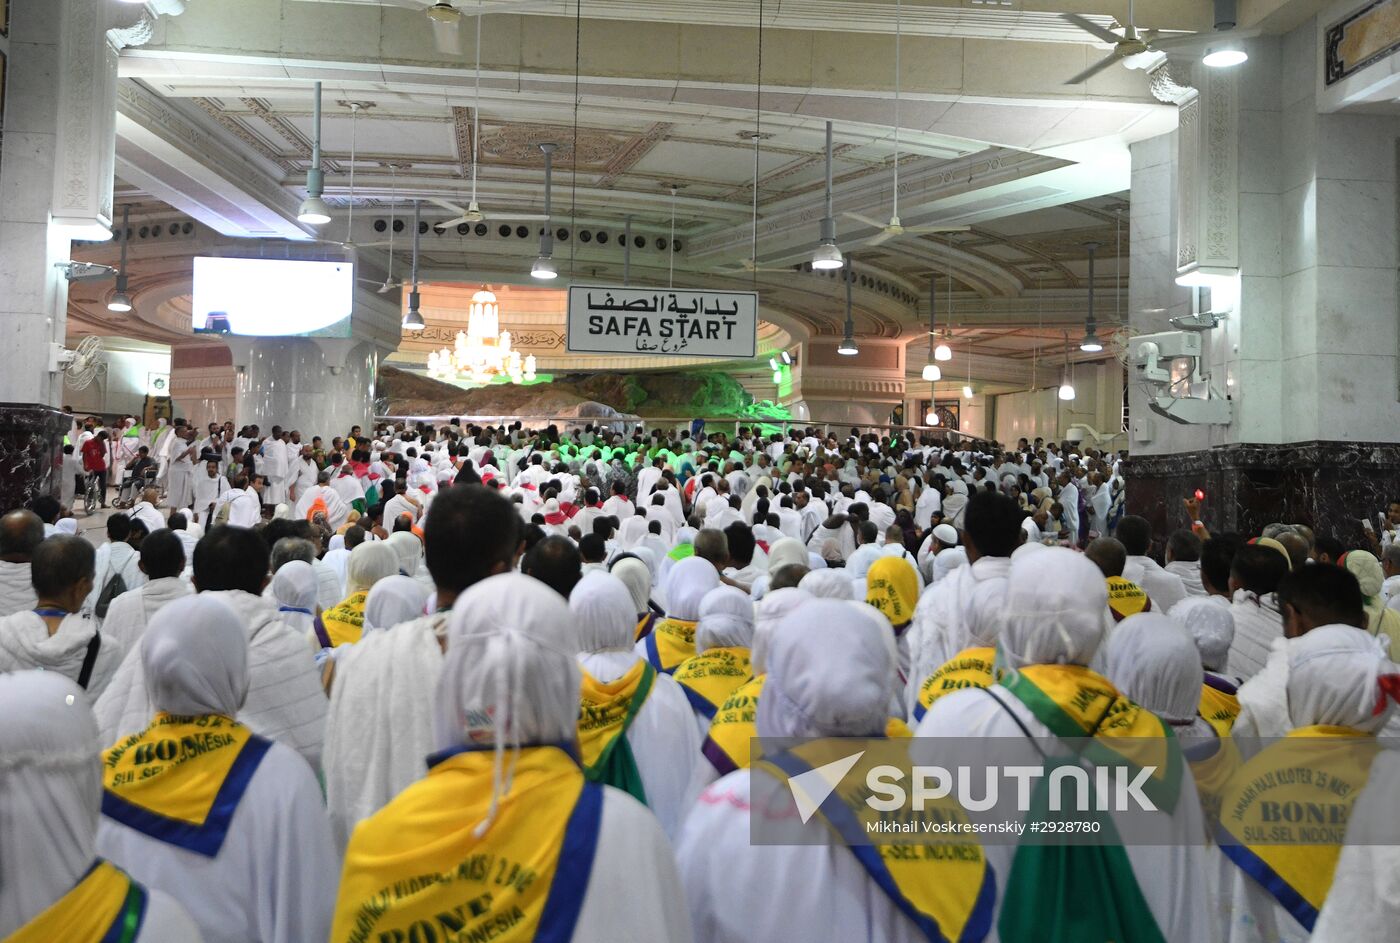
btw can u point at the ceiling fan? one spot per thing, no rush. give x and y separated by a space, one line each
1133 43
446 18
895 228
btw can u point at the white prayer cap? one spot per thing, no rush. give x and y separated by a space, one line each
946 533
774 607
195 657
831 672
636 576
786 552
50 792
510 677
947 561
1334 678
1154 661
369 563
828 584
686 585
408 548
726 620
1211 625
67 525
604 612
1056 606
393 601
294 584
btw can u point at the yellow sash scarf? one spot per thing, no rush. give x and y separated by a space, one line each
1219 709
608 709
1126 598
1074 701
732 730
105 906
345 622
180 780
1300 794
969 668
710 677
671 642
944 885
417 870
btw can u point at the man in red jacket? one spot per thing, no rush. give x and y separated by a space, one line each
95 462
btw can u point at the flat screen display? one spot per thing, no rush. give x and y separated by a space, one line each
273 297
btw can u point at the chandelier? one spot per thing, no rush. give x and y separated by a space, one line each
482 352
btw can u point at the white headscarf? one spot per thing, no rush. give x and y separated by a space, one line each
1333 678
604 613
393 601
636 576
295 587
409 550
1154 661
50 792
195 656
947 561
787 552
1056 604
369 563
1211 625
831 673
726 620
686 585
828 584
67 525
511 678
631 532
773 609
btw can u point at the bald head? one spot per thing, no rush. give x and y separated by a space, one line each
1296 545
21 532
1108 555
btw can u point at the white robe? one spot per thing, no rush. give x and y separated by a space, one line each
115 559
330 584
25 643
1172 875
940 629
274 880
1257 624
1190 575
131 612
379 729
337 511
274 454
16 588
1363 905
206 493
146 513
179 491
1163 588
285 700
303 477
619 507
245 506
664 740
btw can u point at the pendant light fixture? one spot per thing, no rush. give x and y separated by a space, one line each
543 268
1067 378
314 211
413 320
827 256
1091 342
120 302
1228 50
943 353
848 343
932 372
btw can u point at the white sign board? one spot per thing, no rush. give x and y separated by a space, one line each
663 322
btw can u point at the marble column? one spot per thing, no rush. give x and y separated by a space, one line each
1307 351
55 185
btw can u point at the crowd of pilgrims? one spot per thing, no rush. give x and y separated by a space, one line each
469 684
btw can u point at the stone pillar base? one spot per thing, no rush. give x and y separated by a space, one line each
31 452
1329 486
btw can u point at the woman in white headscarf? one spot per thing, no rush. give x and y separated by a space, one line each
1336 705
505 783
828 584
244 845
631 532
1052 623
684 536
343 623
672 641
392 601
409 548
1212 628
1154 661
635 731
955 503
636 576
831 673
52 884
786 552
294 587
720 665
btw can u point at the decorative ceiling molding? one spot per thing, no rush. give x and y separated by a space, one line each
627 158
244 133
462 136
